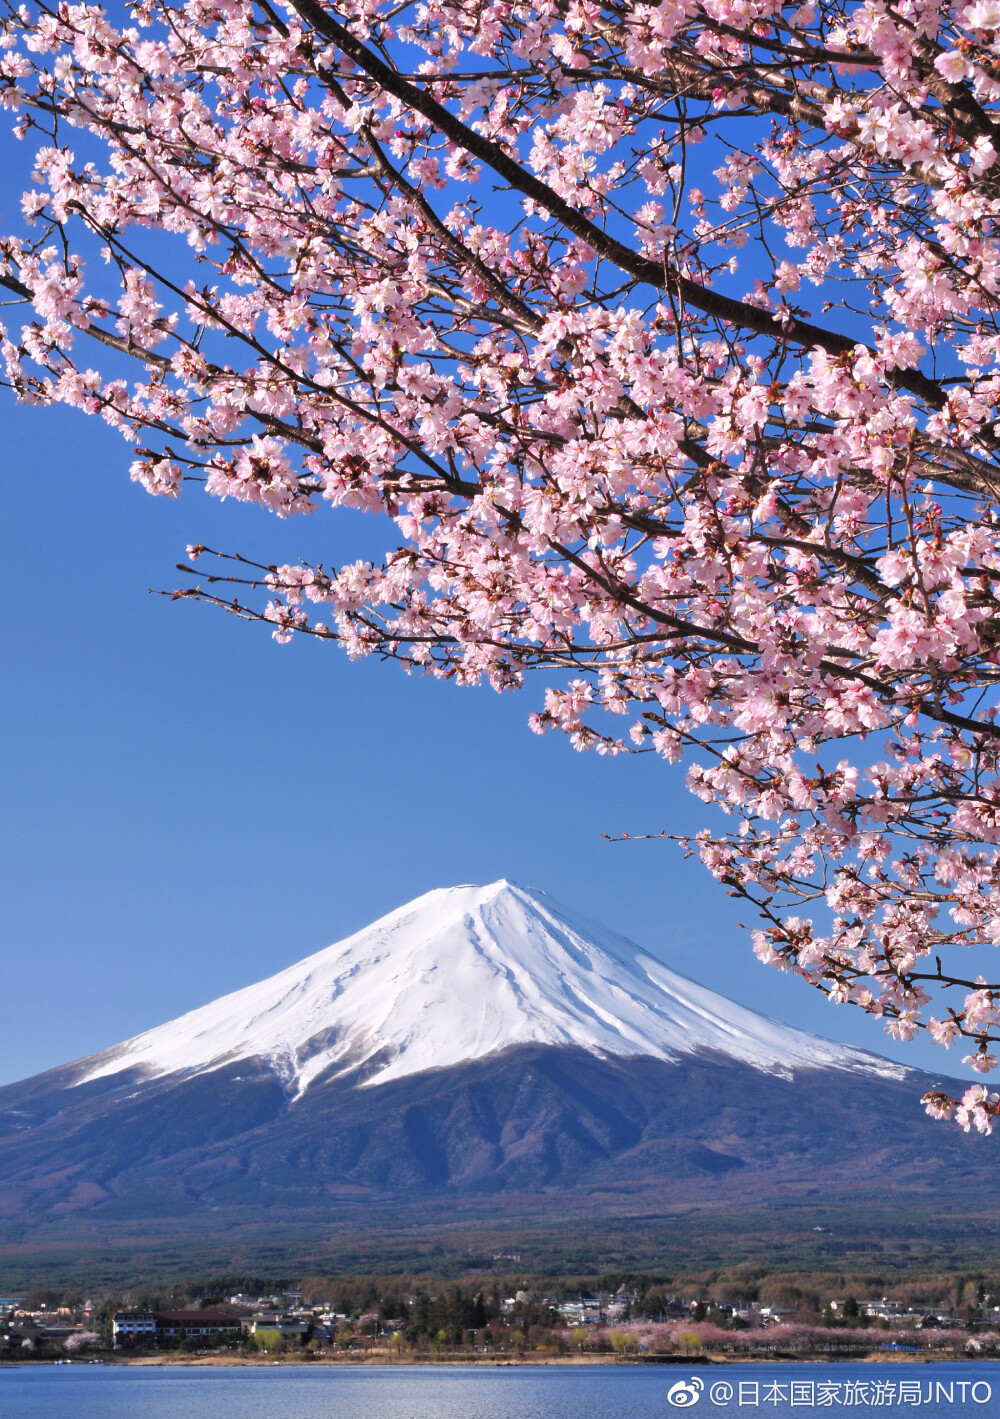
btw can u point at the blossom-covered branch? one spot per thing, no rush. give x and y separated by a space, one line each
668 336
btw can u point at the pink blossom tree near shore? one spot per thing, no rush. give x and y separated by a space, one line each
665 341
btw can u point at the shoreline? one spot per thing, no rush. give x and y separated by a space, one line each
473 1362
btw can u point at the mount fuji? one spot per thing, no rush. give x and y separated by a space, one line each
478 1042
459 974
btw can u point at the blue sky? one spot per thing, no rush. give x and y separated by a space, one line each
188 807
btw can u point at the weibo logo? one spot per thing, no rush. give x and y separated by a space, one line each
685 1393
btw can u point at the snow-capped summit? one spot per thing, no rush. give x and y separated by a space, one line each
460 973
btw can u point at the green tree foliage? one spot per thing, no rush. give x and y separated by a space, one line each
452 1310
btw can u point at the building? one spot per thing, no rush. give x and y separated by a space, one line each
883 1309
131 1328
173 1326
23 1336
276 1323
588 1310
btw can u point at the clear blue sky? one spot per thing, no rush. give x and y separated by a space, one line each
188 807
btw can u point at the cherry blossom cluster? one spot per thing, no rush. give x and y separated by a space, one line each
666 341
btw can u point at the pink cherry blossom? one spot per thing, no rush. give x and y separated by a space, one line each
710 442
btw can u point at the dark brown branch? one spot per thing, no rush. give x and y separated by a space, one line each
787 328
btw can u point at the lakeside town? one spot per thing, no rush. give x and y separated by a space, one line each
638 1321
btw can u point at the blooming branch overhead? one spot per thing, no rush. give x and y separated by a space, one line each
668 337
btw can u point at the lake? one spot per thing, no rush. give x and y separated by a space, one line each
522 1392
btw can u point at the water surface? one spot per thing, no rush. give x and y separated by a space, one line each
916 1391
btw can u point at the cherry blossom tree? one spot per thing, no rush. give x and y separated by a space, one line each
664 341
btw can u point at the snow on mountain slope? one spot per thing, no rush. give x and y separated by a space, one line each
460 973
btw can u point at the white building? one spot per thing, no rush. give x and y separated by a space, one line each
276 1321
129 1326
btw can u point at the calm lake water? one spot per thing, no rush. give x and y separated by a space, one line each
525 1392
